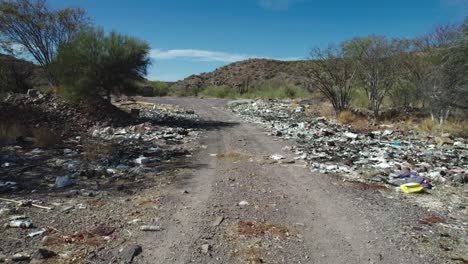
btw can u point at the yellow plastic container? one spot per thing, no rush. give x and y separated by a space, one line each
412 187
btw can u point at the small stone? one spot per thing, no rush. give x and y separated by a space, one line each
43 253
218 220
103 230
243 203
205 249
130 252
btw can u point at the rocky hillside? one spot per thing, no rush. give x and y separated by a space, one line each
249 74
24 73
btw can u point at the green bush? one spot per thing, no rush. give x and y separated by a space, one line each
219 92
359 98
94 65
11 79
277 90
160 88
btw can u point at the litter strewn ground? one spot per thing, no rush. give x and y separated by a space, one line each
383 156
89 195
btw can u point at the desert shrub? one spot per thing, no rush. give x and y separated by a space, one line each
455 127
10 132
12 79
45 138
346 117
94 64
428 126
359 99
48 89
160 88
219 92
276 90
94 150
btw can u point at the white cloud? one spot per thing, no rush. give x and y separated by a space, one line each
205 55
197 55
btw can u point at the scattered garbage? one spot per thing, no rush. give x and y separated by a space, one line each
23 223
276 157
63 182
412 187
142 160
37 233
20 257
330 147
106 158
150 228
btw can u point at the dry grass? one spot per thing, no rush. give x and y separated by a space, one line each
45 137
96 150
346 117
10 132
231 155
428 126
457 128
323 109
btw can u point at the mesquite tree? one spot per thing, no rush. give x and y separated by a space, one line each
379 64
334 74
39 29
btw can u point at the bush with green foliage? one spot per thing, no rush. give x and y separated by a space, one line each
266 90
219 92
12 79
94 64
277 90
160 88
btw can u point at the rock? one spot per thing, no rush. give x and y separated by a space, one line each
205 248
243 203
218 220
43 253
460 179
129 253
67 151
287 161
103 230
63 182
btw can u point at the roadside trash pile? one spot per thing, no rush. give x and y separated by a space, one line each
38 109
162 112
383 155
83 193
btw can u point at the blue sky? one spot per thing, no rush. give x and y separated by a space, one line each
193 36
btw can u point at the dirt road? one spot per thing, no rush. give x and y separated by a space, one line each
291 216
